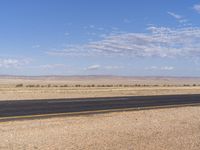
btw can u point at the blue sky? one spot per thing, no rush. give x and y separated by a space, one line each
90 37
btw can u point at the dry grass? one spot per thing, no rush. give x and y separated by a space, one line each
169 129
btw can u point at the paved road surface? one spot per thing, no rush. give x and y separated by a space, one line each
38 108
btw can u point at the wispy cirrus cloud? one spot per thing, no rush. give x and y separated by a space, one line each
160 42
196 7
156 42
12 63
162 68
113 67
93 67
71 50
178 17
52 66
106 67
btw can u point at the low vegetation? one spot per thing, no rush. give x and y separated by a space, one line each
103 85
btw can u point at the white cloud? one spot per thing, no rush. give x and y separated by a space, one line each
113 67
151 68
93 67
12 63
167 68
108 67
52 66
162 68
176 16
71 50
160 42
156 42
197 8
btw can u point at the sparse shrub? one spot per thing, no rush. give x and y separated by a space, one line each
30 86
65 85
77 85
19 85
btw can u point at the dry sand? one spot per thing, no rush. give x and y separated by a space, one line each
8 90
52 93
169 129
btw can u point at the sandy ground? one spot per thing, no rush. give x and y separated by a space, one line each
9 91
175 128
73 92
169 129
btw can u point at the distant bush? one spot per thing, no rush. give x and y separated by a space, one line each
77 85
64 85
30 86
19 85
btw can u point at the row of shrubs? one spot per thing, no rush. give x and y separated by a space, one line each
37 85
109 85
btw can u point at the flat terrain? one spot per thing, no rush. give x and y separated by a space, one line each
169 129
162 129
24 88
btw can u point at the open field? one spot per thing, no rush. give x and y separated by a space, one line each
18 88
174 128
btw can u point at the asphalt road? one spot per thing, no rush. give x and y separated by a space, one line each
31 108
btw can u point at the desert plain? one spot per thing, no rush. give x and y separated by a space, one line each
162 129
50 87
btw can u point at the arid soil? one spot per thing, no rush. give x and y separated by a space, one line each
19 88
159 129
52 93
169 129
